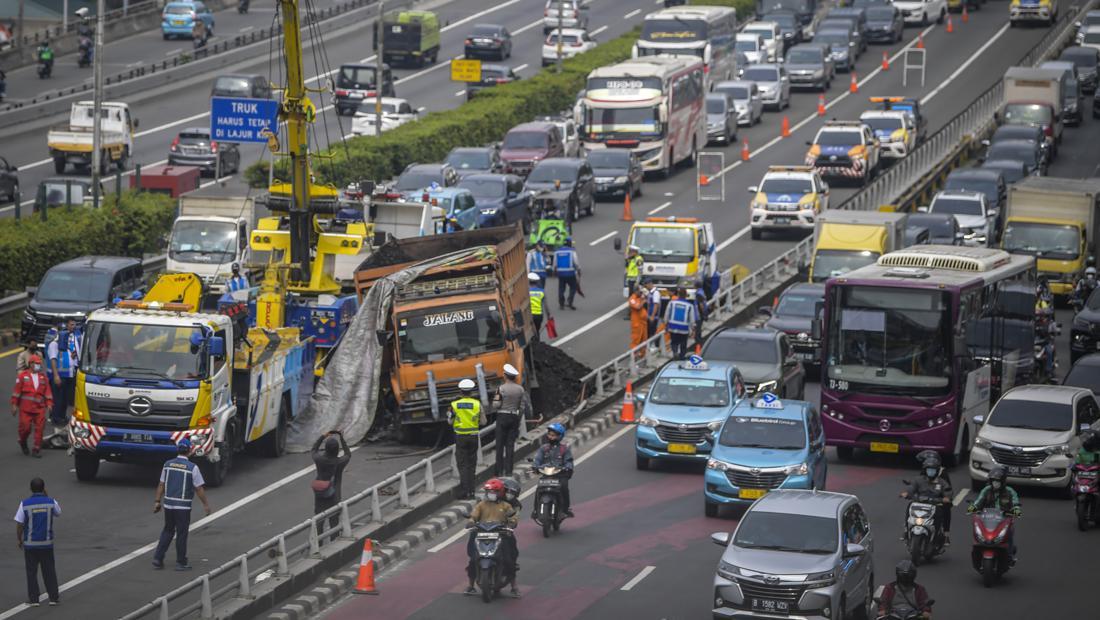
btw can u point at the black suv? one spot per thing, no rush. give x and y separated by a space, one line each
567 174
1085 334
252 86
73 289
763 356
794 314
356 83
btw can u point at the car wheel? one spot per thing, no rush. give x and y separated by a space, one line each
842 609
591 208
845 453
924 19
710 509
943 15
640 462
866 610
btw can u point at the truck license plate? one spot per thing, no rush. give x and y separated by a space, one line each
137 437
884 446
783 220
768 605
751 493
681 448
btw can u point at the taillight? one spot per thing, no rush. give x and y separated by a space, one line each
546 12
392 195
577 44
1048 130
425 197
213 147
175 145
341 93
497 41
502 80
706 69
371 93
469 42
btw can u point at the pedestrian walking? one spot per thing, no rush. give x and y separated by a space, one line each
330 456
679 322
180 481
568 270
539 307
22 361
639 317
30 399
34 530
466 418
63 353
512 406
634 262
536 262
237 282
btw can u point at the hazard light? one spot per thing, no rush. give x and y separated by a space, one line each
886 99
134 304
673 219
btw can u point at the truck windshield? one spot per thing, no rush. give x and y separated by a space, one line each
832 263
74 285
890 340
1042 240
623 122
767 433
195 241
660 244
449 332
142 351
690 392
1027 114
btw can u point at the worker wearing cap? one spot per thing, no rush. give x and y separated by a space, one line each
680 322
536 262
466 418
180 481
237 282
568 269
511 405
538 301
30 400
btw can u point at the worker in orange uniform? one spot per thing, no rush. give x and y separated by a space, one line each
31 398
639 317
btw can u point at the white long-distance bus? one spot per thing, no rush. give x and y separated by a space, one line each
706 32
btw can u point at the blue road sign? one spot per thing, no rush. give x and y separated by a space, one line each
242 120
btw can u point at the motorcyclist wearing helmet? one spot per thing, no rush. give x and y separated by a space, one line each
1085 286
932 486
997 494
904 596
1089 453
495 508
556 453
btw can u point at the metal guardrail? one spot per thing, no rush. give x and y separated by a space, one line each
19 301
134 8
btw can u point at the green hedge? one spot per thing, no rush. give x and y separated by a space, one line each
485 119
29 247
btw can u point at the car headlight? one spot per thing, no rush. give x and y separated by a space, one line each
797 470
717 465
620 179
982 442
645 421
1060 449
766 386
714 426
727 570
28 316
820 580
760 204
418 395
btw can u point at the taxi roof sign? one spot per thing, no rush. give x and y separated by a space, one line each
694 362
768 401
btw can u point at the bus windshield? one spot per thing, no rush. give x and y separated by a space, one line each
623 122
886 340
450 332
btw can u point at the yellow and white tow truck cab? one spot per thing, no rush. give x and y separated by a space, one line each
894 129
677 251
788 197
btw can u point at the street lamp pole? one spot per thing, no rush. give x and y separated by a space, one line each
561 8
97 103
378 73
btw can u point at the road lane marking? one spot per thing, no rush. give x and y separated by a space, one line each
584 457
460 93
638 578
599 30
520 68
961 495
737 235
632 13
524 29
660 208
246 29
175 52
604 238
962 67
9 353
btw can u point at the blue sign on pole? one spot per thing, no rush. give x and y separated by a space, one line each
243 120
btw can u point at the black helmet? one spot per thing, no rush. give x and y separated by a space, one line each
906 573
998 474
929 458
1090 440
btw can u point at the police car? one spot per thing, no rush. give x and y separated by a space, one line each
787 197
686 404
765 444
845 149
894 129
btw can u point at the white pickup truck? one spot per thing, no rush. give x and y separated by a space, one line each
72 143
210 234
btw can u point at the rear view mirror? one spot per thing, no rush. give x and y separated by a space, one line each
722 539
217 346
764 310
618 243
979 419
852 550
753 189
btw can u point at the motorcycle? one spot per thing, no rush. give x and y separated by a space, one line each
990 554
84 59
923 532
892 615
1086 494
492 573
242 7
45 69
1042 372
548 500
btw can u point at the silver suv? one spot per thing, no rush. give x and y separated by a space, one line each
797 554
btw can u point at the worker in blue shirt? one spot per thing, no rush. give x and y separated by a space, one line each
536 262
680 322
34 529
237 282
180 481
568 269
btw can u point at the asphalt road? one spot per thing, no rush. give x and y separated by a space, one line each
111 518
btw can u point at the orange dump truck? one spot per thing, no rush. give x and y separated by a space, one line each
465 316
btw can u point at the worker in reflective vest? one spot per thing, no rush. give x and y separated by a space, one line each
180 481
34 527
536 262
466 418
568 269
679 322
30 399
634 263
538 301
237 282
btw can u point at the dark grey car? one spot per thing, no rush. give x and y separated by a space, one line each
789 27
842 47
1020 150
1087 62
763 356
989 182
943 228
618 173
468 160
567 174
856 20
885 24
794 314
1029 133
491 75
721 119
193 147
75 288
809 64
1012 170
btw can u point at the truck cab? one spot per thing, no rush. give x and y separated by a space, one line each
848 240
677 251
210 234
72 143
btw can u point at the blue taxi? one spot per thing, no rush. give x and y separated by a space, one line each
685 406
765 443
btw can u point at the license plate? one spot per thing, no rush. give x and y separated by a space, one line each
681 448
806 357
550 482
488 536
883 446
751 493
1014 470
603 188
418 414
768 605
177 22
782 220
137 437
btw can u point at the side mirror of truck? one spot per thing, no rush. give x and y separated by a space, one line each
618 243
753 189
383 336
923 209
217 346
137 123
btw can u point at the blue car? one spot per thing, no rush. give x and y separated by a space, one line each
458 205
178 19
501 198
765 444
688 402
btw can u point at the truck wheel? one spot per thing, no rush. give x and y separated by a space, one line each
756 233
273 445
215 473
124 159
59 164
86 464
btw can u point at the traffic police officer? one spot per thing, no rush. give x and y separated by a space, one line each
634 262
34 529
237 282
536 262
568 269
180 482
512 406
679 321
466 418
538 301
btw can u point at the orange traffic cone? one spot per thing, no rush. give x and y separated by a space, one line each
966 16
626 416
703 180
698 349
821 105
628 216
786 128
950 26
365 583
920 40
745 150
885 61
853 87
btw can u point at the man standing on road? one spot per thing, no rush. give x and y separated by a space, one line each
63 353
634 262
538 301
679 322
34 530
653 308
330 462
466 419
22 361
639 319
180 482
701 311
30 400
512 405
536 262
568 269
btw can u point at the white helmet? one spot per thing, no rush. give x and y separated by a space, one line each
467 385
510 370
533 277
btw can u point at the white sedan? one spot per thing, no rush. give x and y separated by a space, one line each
395 112
573 41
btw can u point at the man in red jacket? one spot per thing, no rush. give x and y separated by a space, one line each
31 399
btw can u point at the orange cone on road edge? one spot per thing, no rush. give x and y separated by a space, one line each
745 150
786 128
965 16
364 584
885 62
950 26
628 215
703 180
854 86
920 40
698 349
626 416
821 104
